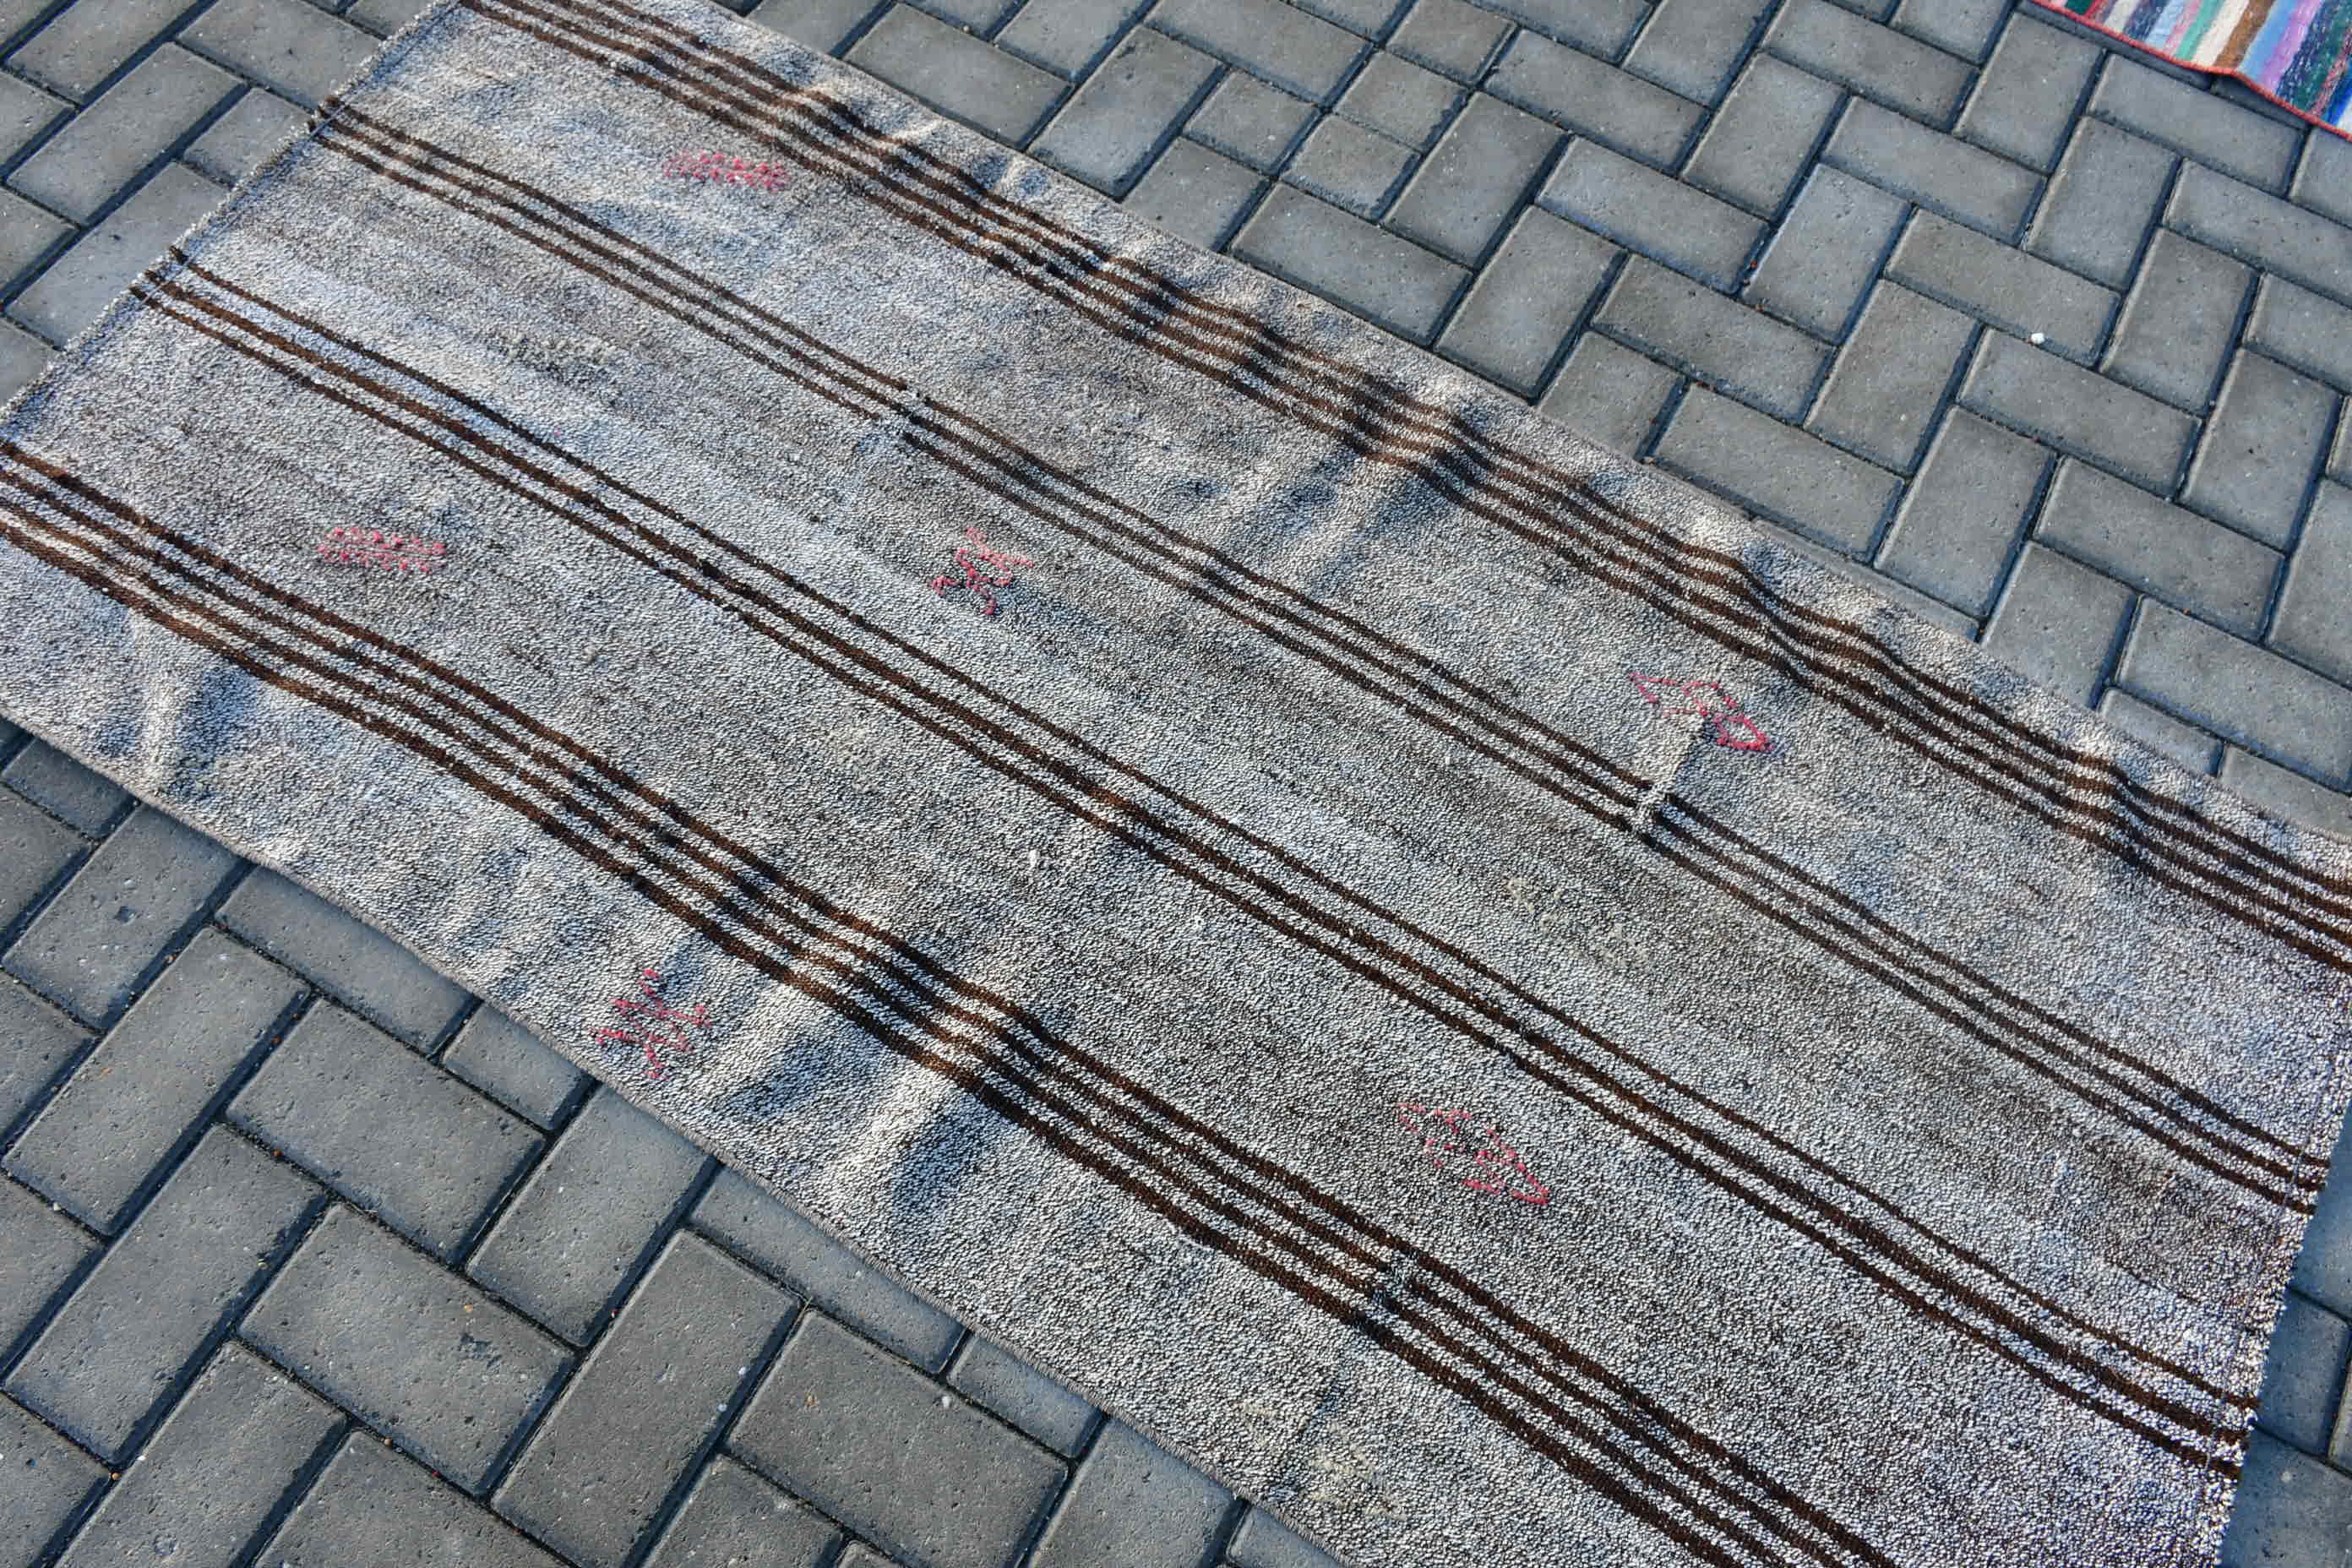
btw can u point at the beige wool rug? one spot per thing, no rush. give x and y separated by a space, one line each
1429 968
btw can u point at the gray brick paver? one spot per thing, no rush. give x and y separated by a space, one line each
2096 219
732 1518
2076 411
361 967
1288 48
1526 300
1763 137
2242 693
101 263
1133 1503
2267 438
35 849
86 44
824 25
1474 179
2058 623
1400 101
957 73
294 49
25 112
2235 140
80 169
1317 246
372 1508
26 235
2323 181
1247 119
1194 193
2289 1506
1734 349
1594 98
2152 727
1368 17
1107 132
2303 1377
1961 516
988 1375
2025 103
1353 168
48 1481
1066 37
23 356
510 1064
1602 27
1964 27
1790 477
2291 797
40 1250
2312 623
2178 324
1265 1541
86 801
36 1041
1692 47
1911 77
1648 212
1449 37
1963 183
1826 252
2297 328
1610 392
981 16
1883 394
2214 572
2264 231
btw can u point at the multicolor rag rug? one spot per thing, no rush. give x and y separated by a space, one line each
1430 968
2296 53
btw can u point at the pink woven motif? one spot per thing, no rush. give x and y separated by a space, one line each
723 169
653 1025
970 558
1494 1165
373 547
1717 708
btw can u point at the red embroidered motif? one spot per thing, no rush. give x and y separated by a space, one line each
1495 1166
981 584
727 171
1726 725
373 547
652 1024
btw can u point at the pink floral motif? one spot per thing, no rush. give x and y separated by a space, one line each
1495 1166
723 169
653 1025
970 557
373 547
1717 708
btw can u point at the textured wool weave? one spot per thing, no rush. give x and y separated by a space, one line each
1429 968
2296 53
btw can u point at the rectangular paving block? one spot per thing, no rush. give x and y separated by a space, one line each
26 114
1692 47
27 236
1449 37
1126 110
2075 410
1282 44
2311 625
372 1508
574 1236
2024 104
2291 797
296 50
2266 442
2303 1378
1133 1502
1764 135
510 1064
85 800
957 73
2178 322
1369 17
824 25
151 1309
410 1348
2251 147
2297 328
152 1082
1373 273
1353 168
1734 349
1194 193
1595 98
69 293
1938 172
987 1373
866 1439
732 1518
1907 76
50 1482
2101 203
37 1043
84 44
1643 210
1602 27
1265 1541
1475 179
1826 253
1066 37
776 1237
1247 119
213 1472
2154 728
40 1250
2058 623
387 1129
2240 692
35 851
1890 378
137 121
2213 573
1962 515
2323 181
1403 101
1610 393
2288 1505
23 356
650 1398
356 964
1527 300
2264 231
1803 483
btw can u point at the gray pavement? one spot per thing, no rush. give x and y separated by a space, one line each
2043 338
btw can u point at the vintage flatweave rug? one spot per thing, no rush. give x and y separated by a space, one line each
1431 969
2296 53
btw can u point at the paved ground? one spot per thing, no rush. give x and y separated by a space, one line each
2045 341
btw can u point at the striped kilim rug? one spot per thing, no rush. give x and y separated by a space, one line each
1427 967
2296 53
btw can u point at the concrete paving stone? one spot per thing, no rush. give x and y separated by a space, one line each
1194 193
235 145
1265 1541
212 1474
412 1349
2266 439
2178 322
1764 135
26 235
573 1237
2293 1511
1692 47
1610 393
823 25
2311 625
1806 484
86 801
2103 198
1400 99
2246 694
981 16
152 1308
2323 1271
1475 179
1128 108
372 1508
774 1236
510 1064
1134 1503
23 356
1066 37
1963 27
1962 515
131 900
1316 245
651 1397
148 1088
861 1555
38 1040
868 1440
34 848
987 1374
1282 44
2213 573
137 121
1348 166
350 961
26 113
2264 231
1826 252
1369 17
1890 378
1931 610
1594 98
1908 76
2076 411
2297 328
1449 37
49 1481
2058 623
384 18
1247 119
1602 27
1721 341
2323 181
1527 300
40 1250
2339 464
2025 101
2154 728
294 49
2303 1378
957 73
1938 172
72 291
84 44
732 1518
2193 122
1643 210
388 1131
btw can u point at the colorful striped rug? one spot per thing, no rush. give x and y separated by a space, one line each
1429 967
2296 53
